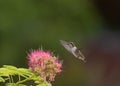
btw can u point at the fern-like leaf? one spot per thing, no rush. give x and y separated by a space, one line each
7 73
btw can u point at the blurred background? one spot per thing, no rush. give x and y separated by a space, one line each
92 25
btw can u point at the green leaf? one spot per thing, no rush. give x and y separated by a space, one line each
1 79
10 67
4 72
24 75
14 84
25 72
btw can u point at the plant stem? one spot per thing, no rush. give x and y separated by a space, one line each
22 81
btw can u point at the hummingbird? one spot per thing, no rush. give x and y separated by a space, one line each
70 46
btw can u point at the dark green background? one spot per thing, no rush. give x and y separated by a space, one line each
30 24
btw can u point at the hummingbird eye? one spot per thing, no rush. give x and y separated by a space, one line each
72 44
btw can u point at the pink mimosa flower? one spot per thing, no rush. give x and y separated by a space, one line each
44 64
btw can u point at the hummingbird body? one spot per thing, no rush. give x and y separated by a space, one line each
70 46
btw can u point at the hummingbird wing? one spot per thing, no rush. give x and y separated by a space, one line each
66 45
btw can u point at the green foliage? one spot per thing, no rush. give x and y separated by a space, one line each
13 76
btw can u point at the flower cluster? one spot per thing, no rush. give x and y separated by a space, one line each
44 64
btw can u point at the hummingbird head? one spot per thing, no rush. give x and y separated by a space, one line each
72 46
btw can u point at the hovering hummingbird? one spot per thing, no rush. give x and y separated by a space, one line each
70 46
